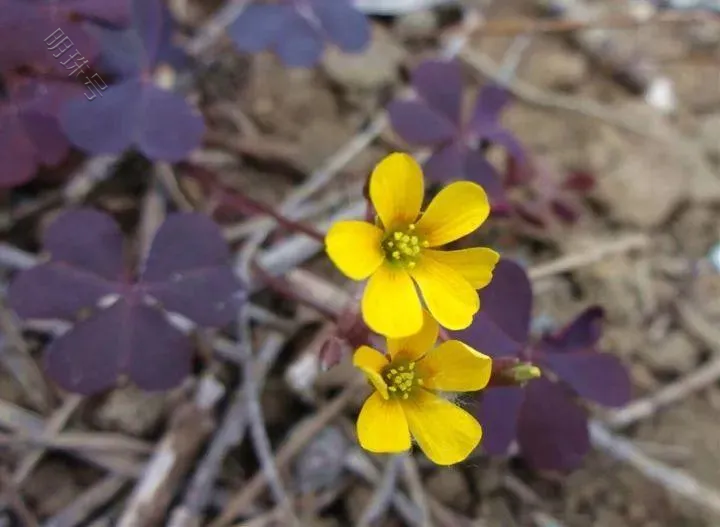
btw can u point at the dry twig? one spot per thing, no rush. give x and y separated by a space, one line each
88 502
16 357
191 424
11 494
674 480
532 95
384 492
242 500
56 423
229 435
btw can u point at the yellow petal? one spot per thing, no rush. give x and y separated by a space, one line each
371 362
455 367
446 433
456 211
417 345
355 248
382 427
476 265
390 304
397 190
449 297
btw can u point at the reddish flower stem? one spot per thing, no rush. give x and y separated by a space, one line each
280 286
250 206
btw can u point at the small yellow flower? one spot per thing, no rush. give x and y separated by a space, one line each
403 251
405 401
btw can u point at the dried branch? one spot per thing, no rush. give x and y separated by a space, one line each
190 426
213 28
19 362
256 422
229 435
152 215
673 480
166 177
98 495
411 474
637 73
532 95
26 423
384 492
572 262
301 434
56 423
95 441
12 495
359 463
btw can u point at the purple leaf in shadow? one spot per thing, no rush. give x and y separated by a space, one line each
498 414
148 20
581 334
439 84
194 282
300 45
56 290
104 125
186 272
420 125
29 131
552 429
485 121
296 32
114 12
446 163
507 140
259 26
169 128
138 49
502 325
160 123
26 28
343 24
480 170
124 339
86 239
597 377
136 112
490 102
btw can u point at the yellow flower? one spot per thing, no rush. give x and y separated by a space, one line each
403 251
405 401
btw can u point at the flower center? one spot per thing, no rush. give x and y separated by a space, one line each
401 379
403 246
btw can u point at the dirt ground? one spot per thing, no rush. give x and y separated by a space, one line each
270 127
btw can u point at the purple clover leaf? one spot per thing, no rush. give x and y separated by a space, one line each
435 119
185 272
549 195
544 416
136 111
30 133
296 30
34 32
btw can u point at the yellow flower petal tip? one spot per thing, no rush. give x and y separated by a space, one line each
407 401
401 257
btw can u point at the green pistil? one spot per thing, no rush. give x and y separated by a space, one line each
401 379
403 247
